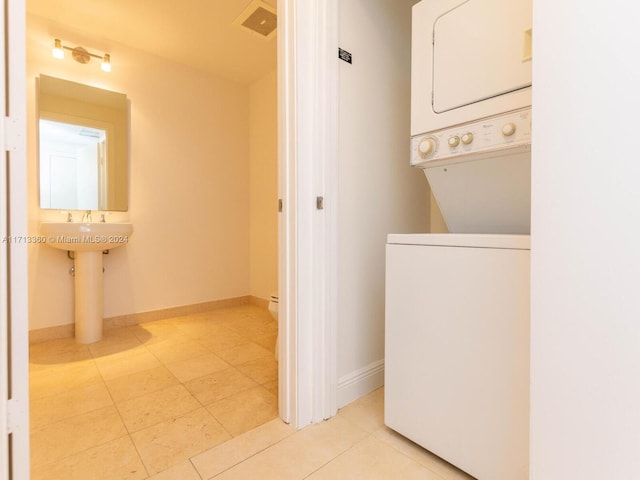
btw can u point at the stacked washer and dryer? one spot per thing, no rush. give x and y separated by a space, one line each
457 304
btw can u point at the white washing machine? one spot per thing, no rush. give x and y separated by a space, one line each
457 349
457 304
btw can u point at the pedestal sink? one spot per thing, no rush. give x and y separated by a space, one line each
87 241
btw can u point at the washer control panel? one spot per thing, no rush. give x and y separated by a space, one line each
492 133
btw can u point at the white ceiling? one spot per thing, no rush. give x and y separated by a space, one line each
198 33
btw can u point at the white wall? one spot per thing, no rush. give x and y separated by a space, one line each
189 177
263 186
379 193
585 390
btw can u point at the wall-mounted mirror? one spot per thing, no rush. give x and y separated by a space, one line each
83 146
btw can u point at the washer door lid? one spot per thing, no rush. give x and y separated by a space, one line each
481 49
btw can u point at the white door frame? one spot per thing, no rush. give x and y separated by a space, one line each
14 368
307 166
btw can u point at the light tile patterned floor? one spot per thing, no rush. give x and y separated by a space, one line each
151 396
194 398
353 445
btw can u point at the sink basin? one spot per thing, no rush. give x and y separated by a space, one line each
86 237
88 241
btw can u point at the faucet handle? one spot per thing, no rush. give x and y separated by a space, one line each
103 218
69 217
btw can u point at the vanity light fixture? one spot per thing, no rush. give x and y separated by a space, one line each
80 54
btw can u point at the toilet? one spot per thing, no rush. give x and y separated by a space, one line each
273 310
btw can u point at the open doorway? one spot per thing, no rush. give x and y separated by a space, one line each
202 264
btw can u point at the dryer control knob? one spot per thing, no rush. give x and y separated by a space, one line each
454 141
467 138
508 129
426 147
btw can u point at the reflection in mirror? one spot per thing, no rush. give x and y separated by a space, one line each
72 166
83 141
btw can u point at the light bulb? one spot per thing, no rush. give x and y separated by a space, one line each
58 51
106 63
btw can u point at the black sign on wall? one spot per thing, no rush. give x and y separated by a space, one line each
345 56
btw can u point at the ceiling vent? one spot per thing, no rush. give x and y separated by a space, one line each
259 18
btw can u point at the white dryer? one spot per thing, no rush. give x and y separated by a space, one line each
471 110
469 59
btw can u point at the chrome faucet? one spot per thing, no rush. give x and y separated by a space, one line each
87 216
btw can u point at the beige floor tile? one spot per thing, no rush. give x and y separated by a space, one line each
181 471
219 385
254 318
113 460
261 370
140 383
245 410
371 459
56 379
331 437
300 454
199 328
420 455
366 412
225 339
59 440
234 312
62 350
266 341
126 363
177 349
272 387
255 329
147 410
174 441
228 454
195 367
73 402
116 340
209 315
141 332
243 353
154 332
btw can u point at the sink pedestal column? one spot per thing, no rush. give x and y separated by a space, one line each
88 296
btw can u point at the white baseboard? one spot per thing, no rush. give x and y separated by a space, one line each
360 382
